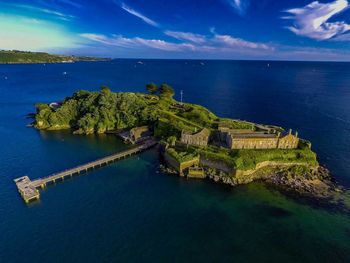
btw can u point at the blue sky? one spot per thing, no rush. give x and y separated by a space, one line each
199 29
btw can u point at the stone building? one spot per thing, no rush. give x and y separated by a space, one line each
289 141
200 138
252 141
260 140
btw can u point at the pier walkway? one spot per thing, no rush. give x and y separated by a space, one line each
29 189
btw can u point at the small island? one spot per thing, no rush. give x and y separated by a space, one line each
193 141
26 57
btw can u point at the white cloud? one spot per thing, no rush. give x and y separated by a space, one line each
192 42
240 6
71 3
217 46
232 42
139 15
343 37
57 3
137 42
195 38
57 14
311 20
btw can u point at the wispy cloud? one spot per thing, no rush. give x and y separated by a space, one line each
193 42
233 42
55 13
240 6
195 38
71 3
57 3
215 46
137 42
342 37
311 20
139 15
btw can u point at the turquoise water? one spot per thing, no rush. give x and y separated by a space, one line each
130 211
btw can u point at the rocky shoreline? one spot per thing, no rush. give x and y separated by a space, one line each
315 183
321 185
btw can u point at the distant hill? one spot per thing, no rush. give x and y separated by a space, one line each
26 57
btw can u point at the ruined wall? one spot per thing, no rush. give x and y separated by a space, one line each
180 166
201 138
288 142
194 140
216 165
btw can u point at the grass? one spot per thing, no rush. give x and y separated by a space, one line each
236 124
181 156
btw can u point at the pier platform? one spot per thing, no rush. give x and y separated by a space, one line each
26 189
29 189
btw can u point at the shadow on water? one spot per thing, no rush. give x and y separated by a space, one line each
272 211
337 202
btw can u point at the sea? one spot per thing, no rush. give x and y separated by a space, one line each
130 211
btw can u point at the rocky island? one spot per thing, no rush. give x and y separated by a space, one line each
26 57
193 141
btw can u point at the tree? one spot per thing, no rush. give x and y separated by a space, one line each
166 91
172 140
105 90
152 88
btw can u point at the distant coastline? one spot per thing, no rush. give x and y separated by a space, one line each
26 57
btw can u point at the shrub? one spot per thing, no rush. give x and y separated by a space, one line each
152 88
166 91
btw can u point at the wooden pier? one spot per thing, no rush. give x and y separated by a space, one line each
29 189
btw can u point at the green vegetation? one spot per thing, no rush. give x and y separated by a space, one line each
14 56
88 112
166 91
99 112
152 88
235 124
182 156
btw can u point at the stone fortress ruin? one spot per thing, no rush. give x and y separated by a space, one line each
261 138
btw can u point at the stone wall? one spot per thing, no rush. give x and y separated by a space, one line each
221 166
180 166
262 141
252 143
196 172
201 138
288 142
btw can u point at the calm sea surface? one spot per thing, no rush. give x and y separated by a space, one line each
131 212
